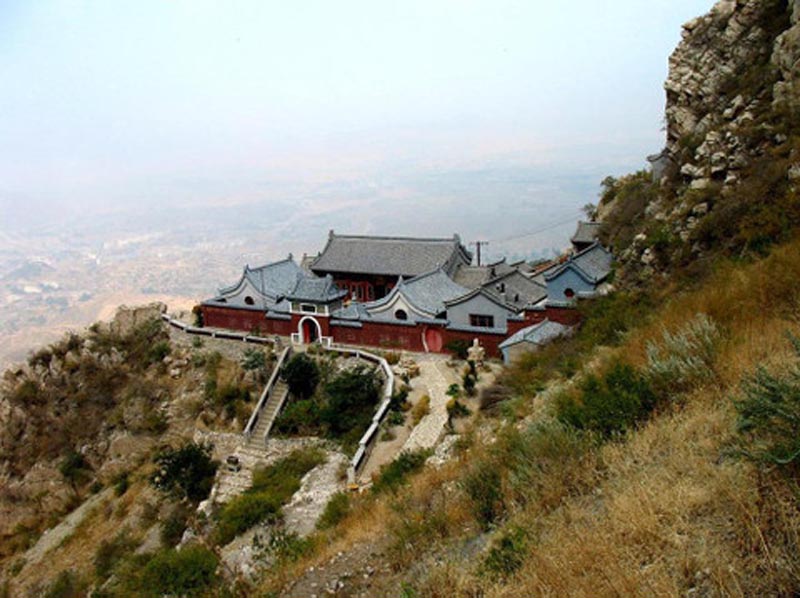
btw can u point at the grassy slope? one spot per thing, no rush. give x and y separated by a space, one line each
662 512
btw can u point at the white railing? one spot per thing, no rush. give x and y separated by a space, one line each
213 333
367 441
266 394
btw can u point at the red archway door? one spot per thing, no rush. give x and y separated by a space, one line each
433 340
309 332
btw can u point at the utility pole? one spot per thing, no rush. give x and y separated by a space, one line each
478 245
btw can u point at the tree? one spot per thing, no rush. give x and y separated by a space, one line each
187 471
302 375
350 395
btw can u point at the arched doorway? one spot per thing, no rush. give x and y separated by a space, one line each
309 330
432 340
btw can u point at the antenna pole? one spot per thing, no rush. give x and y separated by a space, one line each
478 245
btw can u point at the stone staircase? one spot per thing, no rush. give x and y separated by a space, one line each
268 414
253 451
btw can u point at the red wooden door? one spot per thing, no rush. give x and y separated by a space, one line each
433 340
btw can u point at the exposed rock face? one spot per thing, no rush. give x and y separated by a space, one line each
733 66
129 318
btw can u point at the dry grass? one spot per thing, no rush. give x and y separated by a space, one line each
663 513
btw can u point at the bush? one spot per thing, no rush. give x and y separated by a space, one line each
506 555
335 511
283 546
483 485
456 408
66 585
159 351
299 418
190 571
458 348
609 404
351 398
254 359
394 475
271 488
493 395
187 471
392 357
121 483
74 468
769 415
684 359
243 512
302 375
396 418
173 527
111 552
420 409
399 399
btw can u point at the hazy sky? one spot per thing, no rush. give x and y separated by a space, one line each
113 103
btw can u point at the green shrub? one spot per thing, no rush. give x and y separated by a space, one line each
191 571
468 382
187 472
456 408
609 404
351 399
396 418
684 359
458 348
67 585
302 375
335 511
254 359
299 418
74 468
283 477
173 527
159 351
392 357
395 474
271 488
243 512
283 546
506 555
399 399
483 486
111 552
121 483
769 415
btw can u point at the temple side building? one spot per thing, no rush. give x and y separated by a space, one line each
417 294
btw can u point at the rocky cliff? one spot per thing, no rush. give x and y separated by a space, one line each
726 178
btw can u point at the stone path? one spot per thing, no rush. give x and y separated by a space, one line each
316 489
58 534
437 377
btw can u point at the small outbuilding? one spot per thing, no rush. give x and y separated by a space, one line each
531 339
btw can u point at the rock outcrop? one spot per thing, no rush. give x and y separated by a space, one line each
734 68
726 181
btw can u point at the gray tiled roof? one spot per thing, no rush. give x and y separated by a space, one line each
354 311
390 256
273 280
471 277
593 263
587 232
430 291
538 334
315 289
516 289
